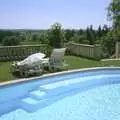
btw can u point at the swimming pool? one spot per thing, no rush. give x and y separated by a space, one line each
76 95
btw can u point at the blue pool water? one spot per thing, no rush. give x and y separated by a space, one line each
84 95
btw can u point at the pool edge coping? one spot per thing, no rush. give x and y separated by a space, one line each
53 74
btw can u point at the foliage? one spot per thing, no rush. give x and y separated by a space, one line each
99 32
10 41
69 34
108 43
114 13
34 37
56 36
4 33
90 34
78 39
22 37
43 38
113 35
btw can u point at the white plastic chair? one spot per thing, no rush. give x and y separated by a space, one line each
55 61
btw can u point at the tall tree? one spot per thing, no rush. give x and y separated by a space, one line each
56 36
114 12
114 15
108 43
90 34
99 32
110 36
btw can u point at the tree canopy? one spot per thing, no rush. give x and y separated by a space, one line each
56 36
10 41
114 13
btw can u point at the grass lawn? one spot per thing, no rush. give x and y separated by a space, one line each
5 73
74 63
30 43
77 62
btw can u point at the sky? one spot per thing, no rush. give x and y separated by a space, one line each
41 14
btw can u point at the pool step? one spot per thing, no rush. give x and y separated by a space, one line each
55 91
39 99
59 86
31 105
37 94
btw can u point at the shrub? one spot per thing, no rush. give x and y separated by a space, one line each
11 41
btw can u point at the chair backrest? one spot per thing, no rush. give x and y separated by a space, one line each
57 56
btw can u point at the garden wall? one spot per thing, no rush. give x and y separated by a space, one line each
89 51
8 53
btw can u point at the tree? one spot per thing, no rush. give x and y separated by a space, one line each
108 43
43 38
111 36
114 13
78 39
56 36
69 34
34 37
11 41
105 30
4 33
80 32
90 34
99 32
28 36
22 37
